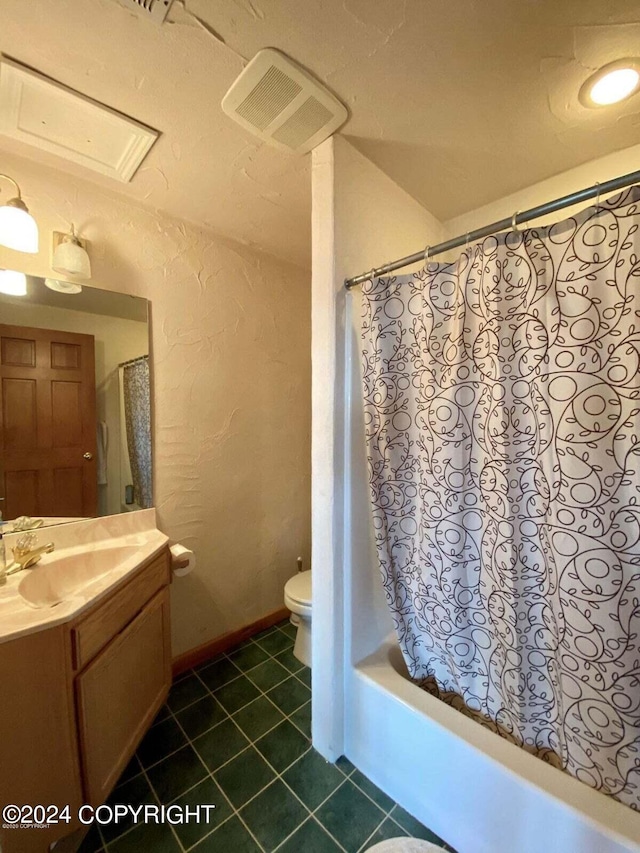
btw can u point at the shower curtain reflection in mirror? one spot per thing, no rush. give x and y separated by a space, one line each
137 411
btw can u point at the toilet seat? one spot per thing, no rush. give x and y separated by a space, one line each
297 593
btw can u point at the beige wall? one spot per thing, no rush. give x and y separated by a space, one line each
116 340
230 345
602 169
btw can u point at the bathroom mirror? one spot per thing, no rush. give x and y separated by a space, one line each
75 414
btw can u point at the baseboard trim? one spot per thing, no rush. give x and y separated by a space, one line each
220 644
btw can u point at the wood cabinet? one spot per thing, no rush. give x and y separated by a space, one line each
119 694
78 698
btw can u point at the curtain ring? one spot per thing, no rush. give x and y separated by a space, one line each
597 186
426 253
466 242
514 224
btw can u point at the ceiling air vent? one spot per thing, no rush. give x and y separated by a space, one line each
283 104
156 10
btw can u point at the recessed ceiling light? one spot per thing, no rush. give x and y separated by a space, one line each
611 84
63 286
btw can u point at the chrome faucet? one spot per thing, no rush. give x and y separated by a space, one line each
25 555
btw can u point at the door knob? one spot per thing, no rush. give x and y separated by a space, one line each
87 455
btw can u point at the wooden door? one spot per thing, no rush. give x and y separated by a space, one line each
47 423
119 694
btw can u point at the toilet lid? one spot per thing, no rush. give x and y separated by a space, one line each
298 588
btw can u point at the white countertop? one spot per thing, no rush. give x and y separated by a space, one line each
81 566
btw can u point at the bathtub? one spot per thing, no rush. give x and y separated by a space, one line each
476 790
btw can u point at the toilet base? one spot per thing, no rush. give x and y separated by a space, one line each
302 647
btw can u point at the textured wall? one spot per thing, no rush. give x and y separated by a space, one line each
231 354
602 169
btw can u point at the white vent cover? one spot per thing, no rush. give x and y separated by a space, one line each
156 10
283 104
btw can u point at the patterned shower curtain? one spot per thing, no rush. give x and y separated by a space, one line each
502 421
137 412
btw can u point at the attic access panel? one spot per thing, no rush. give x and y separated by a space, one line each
48 116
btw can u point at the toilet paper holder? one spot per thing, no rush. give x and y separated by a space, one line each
183 560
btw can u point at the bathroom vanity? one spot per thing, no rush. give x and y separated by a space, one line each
85 665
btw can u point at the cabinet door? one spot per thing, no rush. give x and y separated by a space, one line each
119 694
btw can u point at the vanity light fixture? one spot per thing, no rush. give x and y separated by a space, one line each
18 229
13 283
611 84
70 256
67 287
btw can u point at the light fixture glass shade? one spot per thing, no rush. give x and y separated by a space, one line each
18 229
69 287
13 283
69 258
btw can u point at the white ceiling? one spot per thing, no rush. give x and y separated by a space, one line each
459 101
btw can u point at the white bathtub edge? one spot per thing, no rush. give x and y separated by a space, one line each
496 791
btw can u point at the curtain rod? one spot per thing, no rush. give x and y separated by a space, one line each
133 360
510 222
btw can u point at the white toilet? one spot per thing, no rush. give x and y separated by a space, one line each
297 598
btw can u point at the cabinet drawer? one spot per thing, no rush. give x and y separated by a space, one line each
96 629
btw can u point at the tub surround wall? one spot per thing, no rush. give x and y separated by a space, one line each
360 217
230 344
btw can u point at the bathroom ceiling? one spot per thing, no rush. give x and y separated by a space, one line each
460 103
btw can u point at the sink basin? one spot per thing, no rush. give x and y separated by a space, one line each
70 575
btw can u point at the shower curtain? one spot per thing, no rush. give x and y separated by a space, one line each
502 420
137 412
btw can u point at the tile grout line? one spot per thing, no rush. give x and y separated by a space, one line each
278 775
322 827
210 773
172 715
363 847
191 743
136 825
229 716
252 742
229 656
312 812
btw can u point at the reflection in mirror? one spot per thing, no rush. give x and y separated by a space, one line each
75 432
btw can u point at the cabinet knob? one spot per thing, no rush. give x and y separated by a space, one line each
87 455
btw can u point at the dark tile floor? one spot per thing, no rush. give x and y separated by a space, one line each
236 732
